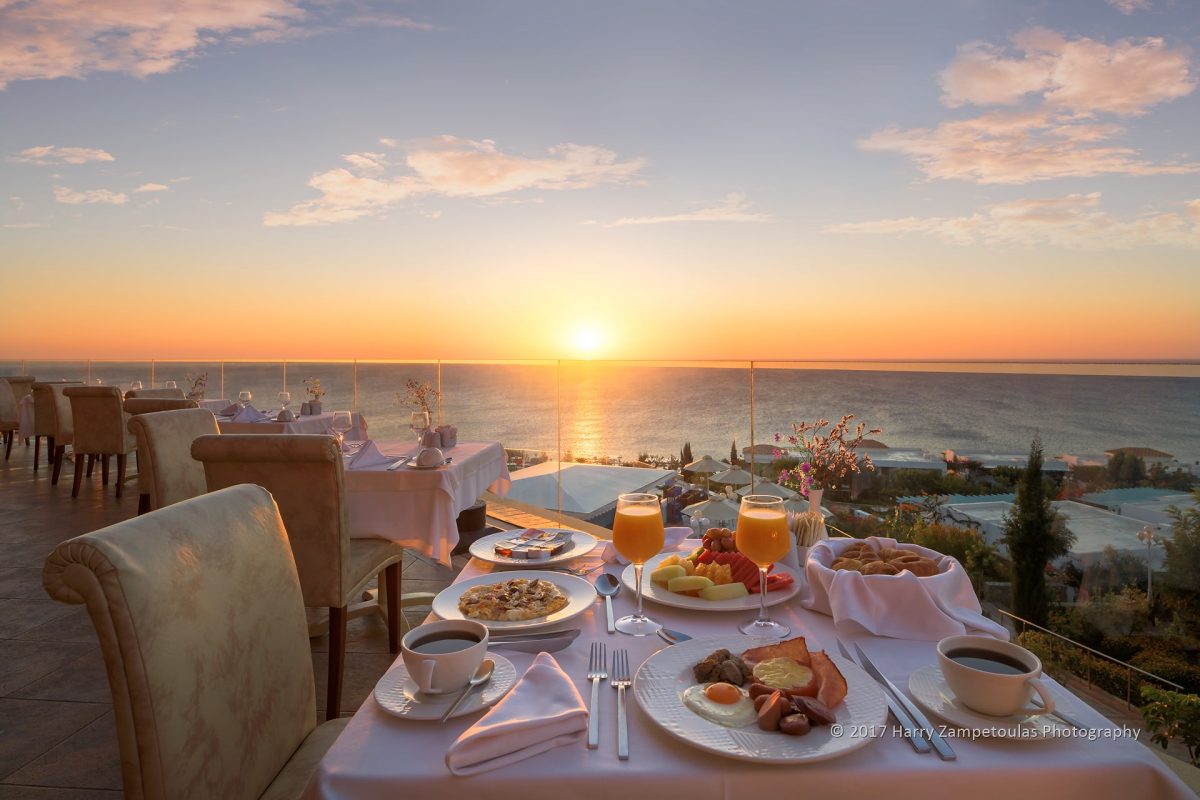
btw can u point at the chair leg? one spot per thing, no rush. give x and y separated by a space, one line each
337 657
143 504
120 474
8 448
91 462
391 575
37 451
58 457
78 476
103 468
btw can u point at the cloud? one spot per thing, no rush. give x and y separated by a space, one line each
74 197
152 187
1129 6
1075 221
448 166
50 39
23 225
51 154
734 209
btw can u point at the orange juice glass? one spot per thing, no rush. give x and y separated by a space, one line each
763 537
638 535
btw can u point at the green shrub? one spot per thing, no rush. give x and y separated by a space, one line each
1169 666
1171 715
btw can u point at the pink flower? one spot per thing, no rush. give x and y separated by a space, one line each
778 437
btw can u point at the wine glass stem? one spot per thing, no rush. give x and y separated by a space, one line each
762 592
637 578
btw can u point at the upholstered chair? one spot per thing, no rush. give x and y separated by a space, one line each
10 417
100 430
148 405
21 385
167 473
52 419
160 393
211 677
304 474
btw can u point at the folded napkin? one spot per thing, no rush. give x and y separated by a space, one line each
249 414
900 606
543 711
368 456
229 410
672 538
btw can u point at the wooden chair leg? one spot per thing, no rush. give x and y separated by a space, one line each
8 448
91 462
143 504
392 576
103 468
78 476
50 445
120 474
58 457
37 451
337 657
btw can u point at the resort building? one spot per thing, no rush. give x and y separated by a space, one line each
1149 456
1140 503
990 461
588 491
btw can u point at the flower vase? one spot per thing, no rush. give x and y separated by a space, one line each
314 407
814 499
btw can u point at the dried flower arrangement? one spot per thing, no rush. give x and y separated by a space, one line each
313 386
198 385
419 395
828 457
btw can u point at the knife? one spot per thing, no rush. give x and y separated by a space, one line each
943 748
527 637
399 463
672 637
537 643
911 732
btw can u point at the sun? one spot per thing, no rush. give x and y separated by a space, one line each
587 341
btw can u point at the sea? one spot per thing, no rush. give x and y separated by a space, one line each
622 410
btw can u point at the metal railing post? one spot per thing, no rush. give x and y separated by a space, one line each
223 395
153 370
354 380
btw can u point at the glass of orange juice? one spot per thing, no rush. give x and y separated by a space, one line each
763 537
638 535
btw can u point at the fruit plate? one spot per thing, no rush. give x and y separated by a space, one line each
580 596
663 677
660 595
485 549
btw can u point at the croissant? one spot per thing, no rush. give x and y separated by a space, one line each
863 558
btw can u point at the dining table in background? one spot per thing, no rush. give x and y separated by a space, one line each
312 423
418 508
214 405
25 412
378 755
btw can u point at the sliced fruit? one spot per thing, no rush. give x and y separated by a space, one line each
663 575
688 583
728 591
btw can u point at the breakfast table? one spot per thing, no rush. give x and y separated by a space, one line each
311 423
379 755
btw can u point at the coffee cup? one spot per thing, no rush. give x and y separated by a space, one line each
442 656
430 457
993 677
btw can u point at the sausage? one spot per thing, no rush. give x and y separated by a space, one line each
771 711
794 725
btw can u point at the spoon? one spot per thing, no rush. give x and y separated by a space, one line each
481 676
607 587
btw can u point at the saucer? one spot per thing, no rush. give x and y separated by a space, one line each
930 690
397 694
414 465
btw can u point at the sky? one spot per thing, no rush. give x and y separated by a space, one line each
897 179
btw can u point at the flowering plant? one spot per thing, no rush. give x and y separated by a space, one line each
313 386
198 385
828 456
418 395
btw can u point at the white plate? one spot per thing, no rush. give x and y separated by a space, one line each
484 549
414 465
660 595
663 677
397 694
929 689
580 596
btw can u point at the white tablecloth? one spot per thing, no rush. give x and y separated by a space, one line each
381 756
25 423
418 508
318 423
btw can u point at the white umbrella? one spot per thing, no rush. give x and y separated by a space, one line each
719 512
706 465
735 476
773 489
800 504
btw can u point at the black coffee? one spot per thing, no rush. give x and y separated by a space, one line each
448 642
987 661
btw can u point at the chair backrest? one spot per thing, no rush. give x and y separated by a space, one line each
148 405
98 419
304 474
21 385
201 623
9 412
52 410
166 470
175 393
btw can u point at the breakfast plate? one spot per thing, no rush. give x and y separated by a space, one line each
485 549
664 677
397 693
579 594
929 689
660 594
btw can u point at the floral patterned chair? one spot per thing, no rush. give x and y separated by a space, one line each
167 473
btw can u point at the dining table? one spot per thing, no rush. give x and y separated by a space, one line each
307 423
380 755
418 508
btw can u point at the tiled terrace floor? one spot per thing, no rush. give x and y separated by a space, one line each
57 737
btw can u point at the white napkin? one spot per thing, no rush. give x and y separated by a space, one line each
229 410
368 456
249 414
543 711
900 606
672 538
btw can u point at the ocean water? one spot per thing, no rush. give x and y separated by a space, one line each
621 410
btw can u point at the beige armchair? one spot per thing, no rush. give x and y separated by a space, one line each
211 677
148 405
304 474
159 393
21 385
10 417
100 431
167 473
52 419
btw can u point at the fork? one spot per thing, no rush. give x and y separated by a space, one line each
578 572
620 681
596 673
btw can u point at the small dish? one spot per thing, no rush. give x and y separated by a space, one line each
930 690
397 694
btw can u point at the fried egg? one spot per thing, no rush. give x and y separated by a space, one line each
722 703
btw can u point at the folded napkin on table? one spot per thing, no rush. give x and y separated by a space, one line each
249 414
229 410
900 606
543 711
672 538
368 456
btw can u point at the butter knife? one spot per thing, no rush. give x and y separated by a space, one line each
943 748
911 732
399 463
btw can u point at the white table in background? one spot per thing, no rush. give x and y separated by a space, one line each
214 405
316 423
418 508
25 423
378 755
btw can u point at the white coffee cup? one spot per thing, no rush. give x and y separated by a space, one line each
430 457
436 657
1003 693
